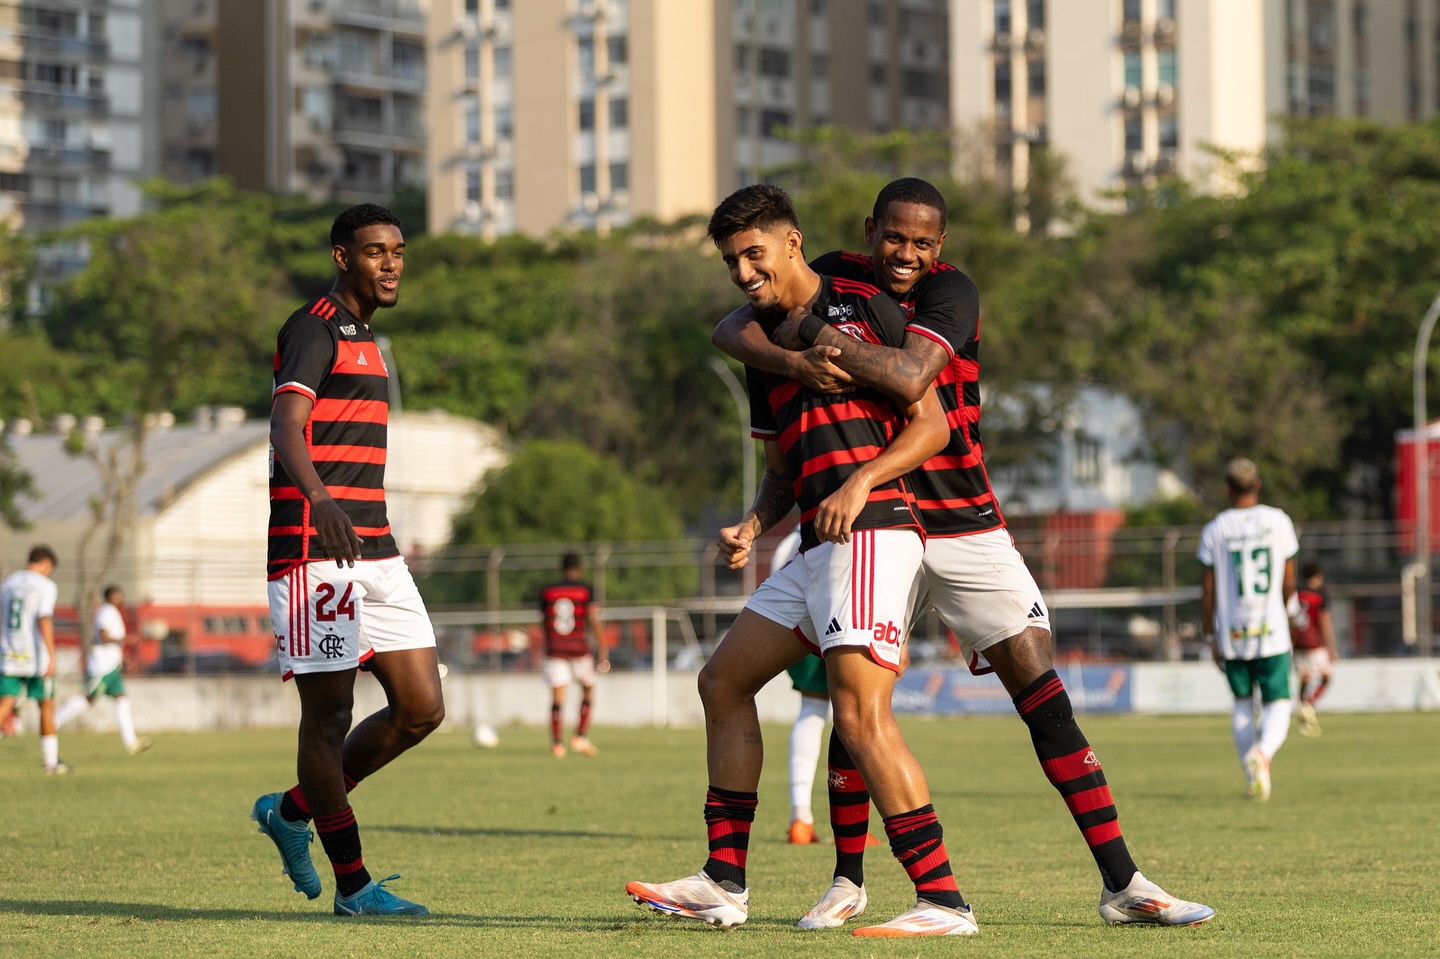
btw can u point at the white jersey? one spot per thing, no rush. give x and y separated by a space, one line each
1247 548
107 646
26 597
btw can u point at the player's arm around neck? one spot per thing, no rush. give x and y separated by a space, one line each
902 373
923 436
741 336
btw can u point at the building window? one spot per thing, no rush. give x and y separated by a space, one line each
1132 68
587 178
587 115
1165 9
472 8
472 123
502 63
1169 132
1002 82
472 63
619 176
772 121
775 63
1087 460
585 58
742 58
502 5
617 50
504 184
1362 18
921 85
1130 11
877 13
619 113
817 8
1035 12
819 66
1002 16
1165 65
877 74
1134 134
1037 77
1321 90
504 123
472 184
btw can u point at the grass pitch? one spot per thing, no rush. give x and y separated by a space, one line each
520 855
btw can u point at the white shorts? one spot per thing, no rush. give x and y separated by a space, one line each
1308 661
327 617
862 592
982 590
559 671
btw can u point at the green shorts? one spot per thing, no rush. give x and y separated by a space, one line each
108 685
1271 675
808 676
37 688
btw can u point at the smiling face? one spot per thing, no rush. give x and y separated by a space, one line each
762 263
903 243
371 266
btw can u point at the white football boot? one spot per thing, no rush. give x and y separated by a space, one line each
1144 903
926 919
695 897
843 900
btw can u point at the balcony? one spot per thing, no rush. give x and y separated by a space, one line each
68 158
57 100
399 16
69 45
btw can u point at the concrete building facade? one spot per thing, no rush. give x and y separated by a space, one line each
1130 90
75 134
554 114
324 98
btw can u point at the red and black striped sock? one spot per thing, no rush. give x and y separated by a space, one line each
849 812
918 843
293 806
554 722
583 727
1070 765
728 815
340 835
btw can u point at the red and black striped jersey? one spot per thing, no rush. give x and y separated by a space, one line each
326 353
826 436
1305 628
565 611
952 489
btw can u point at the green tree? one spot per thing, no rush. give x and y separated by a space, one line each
562 492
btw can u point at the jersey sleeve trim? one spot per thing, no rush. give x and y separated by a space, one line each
930 334
294 386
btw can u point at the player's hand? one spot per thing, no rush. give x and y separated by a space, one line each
838 511
603 666
787 334
814 369
735 542
49 670
334 532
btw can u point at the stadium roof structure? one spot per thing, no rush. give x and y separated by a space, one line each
176 457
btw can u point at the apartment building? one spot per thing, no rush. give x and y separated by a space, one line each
1129 90
74 131
557 114
323 98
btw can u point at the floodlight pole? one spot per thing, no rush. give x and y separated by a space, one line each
742 406
1422 484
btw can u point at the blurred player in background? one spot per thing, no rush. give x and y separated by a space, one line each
808 679
574 649
1248 552
340 592
976 578
27 649
1313 634
103 672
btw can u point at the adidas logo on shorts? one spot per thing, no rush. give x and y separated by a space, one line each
834 627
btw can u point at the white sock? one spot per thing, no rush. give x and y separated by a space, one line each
805 738
50 751
1242 725
1274 726
124 720
70 709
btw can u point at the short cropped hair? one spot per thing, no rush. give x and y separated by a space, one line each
41 553
910 189
1242 475
758 206
342 231
110 591
570 561
1309 568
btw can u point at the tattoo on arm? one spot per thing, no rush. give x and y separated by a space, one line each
903 373
773 499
